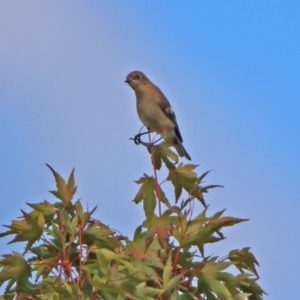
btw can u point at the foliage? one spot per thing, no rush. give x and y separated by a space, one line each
71 255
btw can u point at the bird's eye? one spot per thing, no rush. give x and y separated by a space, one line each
138 76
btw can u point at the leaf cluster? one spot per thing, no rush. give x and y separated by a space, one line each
70 255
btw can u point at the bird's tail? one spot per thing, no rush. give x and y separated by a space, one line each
180 149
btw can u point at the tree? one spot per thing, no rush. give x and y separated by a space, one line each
71 255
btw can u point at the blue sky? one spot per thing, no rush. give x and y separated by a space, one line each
231 71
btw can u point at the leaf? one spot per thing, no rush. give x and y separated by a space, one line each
71 187
163 153
146 193
209 277
159 227
14 267
47 209
200 178
98 232
226 221
42 266
241 296
184 177
160 194
60 185
173 282
244 259
65 191
137 233
144 272
249 285
29 229
143 291
201 230
138 252
187 232
167 273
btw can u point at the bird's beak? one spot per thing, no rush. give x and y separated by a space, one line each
127 80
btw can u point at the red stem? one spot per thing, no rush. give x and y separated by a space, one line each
155 176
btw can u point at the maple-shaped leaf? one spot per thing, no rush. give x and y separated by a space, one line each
249 285
14 268
159 227
83 217
210 278
43 251
27 230
47 209
163 153
65 191
145 272
138 252
42 267
244 259
146 194
184 177
186 229
136 249
99 234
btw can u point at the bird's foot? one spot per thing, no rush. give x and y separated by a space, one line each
137 139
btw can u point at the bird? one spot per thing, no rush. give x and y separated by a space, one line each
155 111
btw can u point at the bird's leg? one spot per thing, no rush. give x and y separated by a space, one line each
137 138
157 140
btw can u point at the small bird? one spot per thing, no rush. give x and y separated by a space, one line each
155 110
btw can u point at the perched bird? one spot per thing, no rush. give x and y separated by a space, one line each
155 110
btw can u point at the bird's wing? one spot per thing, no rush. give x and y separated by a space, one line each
168 111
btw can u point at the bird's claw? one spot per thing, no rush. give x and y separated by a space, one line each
137 139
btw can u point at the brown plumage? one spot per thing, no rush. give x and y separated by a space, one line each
155 110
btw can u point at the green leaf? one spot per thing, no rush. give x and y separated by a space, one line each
147 194
14 267
137 233
144 291
71 187
61 185
144 272
29 229
249 285
244 259
184 177
173 282
43 266
241 296
47 209
209 280
161 195
65 191
162 152
167 273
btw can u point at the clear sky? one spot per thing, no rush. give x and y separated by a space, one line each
231 71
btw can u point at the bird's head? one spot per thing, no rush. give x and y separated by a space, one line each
136 78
